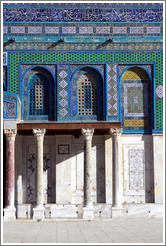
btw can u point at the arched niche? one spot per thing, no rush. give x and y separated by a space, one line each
38 95
87 94
136 101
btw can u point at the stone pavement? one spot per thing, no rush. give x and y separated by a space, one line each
119 230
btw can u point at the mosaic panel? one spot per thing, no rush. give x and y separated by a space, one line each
84 29
136 30
83 57
138 75
54 14
9 109
9 106
135 73
17 29
51 30
35 30
63 91
119 29
135 99
153 30
112 89
103 29
5 29
73 68
135 123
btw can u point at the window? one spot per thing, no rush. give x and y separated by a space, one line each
38 94
87 95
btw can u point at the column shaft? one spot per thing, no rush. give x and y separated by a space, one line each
116 167
10 168
39 134
88 133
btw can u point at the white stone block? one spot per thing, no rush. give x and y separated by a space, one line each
9 214
88 213
117 212
38 213
64 211
24 211
102 210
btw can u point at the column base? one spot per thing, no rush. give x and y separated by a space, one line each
9 213
117 212
88 213
38 213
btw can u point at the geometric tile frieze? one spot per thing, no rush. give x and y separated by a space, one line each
112 89
63 90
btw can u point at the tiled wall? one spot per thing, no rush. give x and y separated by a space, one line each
136 29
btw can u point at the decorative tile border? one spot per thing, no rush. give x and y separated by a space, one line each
76 14
112 89
63 91
92 29
118 46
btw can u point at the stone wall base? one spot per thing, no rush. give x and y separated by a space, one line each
38 213
146 209
24 211
9 213
88 213
117 212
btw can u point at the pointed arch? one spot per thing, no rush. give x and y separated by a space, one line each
87 92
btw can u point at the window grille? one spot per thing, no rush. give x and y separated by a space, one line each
87 95
39 95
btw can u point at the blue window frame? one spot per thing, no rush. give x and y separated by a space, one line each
38 95
87 95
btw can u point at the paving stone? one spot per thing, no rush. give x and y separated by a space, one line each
116 231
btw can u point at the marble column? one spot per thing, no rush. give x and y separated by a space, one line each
115 133
9 211
38 211
88 212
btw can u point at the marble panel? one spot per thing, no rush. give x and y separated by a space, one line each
134 170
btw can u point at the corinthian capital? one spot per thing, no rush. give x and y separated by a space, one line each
39 132
115 132
87 133
10 134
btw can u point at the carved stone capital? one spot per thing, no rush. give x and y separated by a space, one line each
115 132
39 132
10 134
87 133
